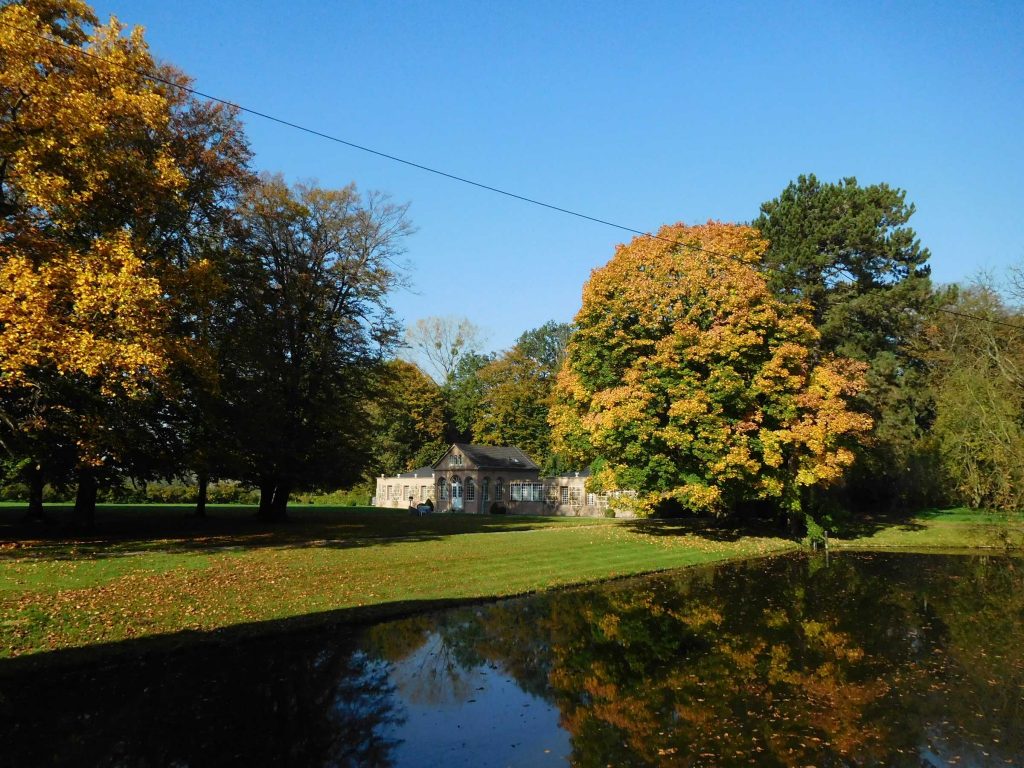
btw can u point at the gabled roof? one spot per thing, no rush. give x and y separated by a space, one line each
426 471
492 456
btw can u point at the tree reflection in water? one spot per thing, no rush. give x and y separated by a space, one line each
307 700
892 660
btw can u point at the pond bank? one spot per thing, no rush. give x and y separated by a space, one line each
230 576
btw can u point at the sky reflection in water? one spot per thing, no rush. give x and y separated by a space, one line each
873 659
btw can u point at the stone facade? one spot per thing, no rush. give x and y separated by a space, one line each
485 478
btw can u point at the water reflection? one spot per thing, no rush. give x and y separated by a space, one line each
305 702
887 660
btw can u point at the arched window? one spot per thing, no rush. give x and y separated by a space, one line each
442 489
499 490
470 489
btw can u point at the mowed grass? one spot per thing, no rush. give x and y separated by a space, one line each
155 571
934 529
124 582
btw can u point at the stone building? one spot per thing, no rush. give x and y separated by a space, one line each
486 478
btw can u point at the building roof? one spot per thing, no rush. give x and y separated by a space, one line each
581 473
493 456
426 471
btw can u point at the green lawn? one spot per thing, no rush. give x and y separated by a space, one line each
934 529
156 571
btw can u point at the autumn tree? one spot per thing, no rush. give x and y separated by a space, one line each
311 321
847 252
115 189
689 382
85 164
514 406
408 419
516 392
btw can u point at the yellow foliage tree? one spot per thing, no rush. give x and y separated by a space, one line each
688 381
101 168
76 146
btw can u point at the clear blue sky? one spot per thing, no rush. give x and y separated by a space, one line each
642 113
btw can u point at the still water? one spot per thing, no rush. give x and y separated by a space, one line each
866 660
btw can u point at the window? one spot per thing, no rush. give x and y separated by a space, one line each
526 491
563 495
485 489
390 492
499 490
455 460
442 489
405 493
591 499
424 490
470 489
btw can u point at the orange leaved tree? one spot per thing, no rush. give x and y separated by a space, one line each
688 382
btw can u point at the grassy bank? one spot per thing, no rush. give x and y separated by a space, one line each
156 570
933 529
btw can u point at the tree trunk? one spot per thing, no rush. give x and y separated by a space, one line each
265 511
204 484
85 498
35 492
279 508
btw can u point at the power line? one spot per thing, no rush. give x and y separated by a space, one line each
336 139
969 316
454 177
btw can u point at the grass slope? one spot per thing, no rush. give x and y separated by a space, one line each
153 571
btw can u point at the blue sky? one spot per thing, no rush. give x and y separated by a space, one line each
641 113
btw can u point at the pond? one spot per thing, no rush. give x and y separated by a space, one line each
861 660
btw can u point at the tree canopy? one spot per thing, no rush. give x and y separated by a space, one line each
687 380
312 320
516 393
847 251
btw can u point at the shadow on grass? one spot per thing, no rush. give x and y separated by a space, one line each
722 530
292 692
123 530
862 525
848 525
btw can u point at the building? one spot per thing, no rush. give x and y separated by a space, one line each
485 479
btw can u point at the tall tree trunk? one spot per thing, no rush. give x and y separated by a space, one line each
85 498
35 492
265 511
204 484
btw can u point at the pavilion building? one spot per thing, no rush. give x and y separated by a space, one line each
487 478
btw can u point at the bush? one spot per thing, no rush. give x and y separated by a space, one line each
358 496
